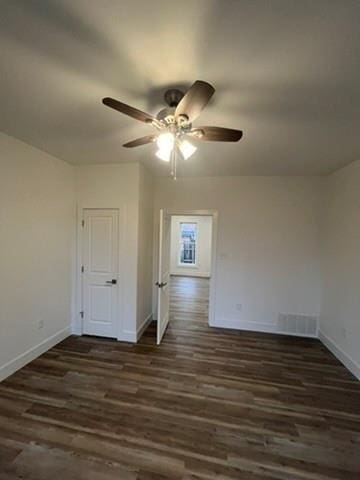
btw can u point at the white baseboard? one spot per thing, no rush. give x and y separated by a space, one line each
127 336
133 337
344 358
191 274
21 360
141 329
76 329
253 327
243 325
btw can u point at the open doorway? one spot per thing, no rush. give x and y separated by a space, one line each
190 268
186 270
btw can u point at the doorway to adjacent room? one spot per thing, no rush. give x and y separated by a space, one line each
186 269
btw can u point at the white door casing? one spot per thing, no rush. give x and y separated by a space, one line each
215 220
100 277
163 275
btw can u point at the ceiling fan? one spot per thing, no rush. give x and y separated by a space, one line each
174 123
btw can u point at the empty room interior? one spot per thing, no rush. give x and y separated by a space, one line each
180 240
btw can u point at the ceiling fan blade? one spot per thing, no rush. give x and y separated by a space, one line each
216 134
195 100
140 141
127 110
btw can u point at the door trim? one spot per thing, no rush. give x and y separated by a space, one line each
77 307
214 235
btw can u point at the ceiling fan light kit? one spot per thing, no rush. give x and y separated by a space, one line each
187 149
165 143
174 123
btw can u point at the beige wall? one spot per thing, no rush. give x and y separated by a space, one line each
271 256
116 186
145 249
37 231
340 311
267 247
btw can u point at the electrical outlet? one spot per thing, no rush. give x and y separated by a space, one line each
238 307
40 324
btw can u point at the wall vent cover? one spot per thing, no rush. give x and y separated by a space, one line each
306 325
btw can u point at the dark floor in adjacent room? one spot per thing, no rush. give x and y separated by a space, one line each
206 404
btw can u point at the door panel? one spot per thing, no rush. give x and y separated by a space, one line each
100 304
100 262
101 240
163 275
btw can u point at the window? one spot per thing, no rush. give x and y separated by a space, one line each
188 234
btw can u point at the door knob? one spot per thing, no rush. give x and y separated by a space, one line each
111 282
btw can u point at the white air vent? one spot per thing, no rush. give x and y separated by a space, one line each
305 325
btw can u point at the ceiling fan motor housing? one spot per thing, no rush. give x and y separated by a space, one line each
177 125
173 96
167 115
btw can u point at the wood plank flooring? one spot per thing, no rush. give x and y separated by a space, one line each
206 404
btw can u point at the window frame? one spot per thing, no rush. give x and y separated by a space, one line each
188 265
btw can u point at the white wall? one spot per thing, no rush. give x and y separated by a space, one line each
340 311
267 246
268 255
202 268
116 186
145 250
37 225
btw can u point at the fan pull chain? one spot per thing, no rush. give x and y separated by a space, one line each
173 163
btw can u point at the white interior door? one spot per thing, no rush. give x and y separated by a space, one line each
100 272
163 275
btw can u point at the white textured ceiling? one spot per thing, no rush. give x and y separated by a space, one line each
286 72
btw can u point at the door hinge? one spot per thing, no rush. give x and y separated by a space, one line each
82 314
82 268
83 223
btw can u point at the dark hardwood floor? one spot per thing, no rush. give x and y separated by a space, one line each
189 300
206 404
